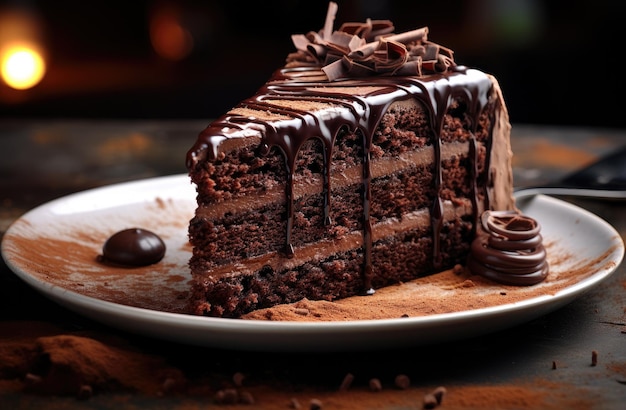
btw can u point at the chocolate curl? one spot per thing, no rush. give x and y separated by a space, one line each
417 50
390 56
433 66
330 20
431 51
331 58
369 30
300 41
364 51
317 50
339 42
346 67
315 45
355 43
380 28
333 70
301 58
438 62
411 67
357 29
446 52
444 63
315 38
344 42
419 34
410 36
355 69
434 50
370 48
430 65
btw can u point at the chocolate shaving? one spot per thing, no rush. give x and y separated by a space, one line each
368 49
330 20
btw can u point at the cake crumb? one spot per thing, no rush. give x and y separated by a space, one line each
430 401
402 381
458 269
346 382
294 403
238 379
227 396
468 283
32 379
439 392
594 358
553 365
315 404
173 381
85 392
245 397
434 398
301 311
168 385
375 385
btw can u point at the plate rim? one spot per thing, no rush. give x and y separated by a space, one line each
98 307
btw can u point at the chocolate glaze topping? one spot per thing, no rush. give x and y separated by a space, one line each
508 249
133 247
358 114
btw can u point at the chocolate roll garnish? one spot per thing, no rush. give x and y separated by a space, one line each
508 248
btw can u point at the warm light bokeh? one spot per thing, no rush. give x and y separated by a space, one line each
170 39
21 66
22 53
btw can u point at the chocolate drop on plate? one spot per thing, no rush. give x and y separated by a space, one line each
133 247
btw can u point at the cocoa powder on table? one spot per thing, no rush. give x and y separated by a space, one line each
40 359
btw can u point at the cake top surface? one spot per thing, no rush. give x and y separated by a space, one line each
344 77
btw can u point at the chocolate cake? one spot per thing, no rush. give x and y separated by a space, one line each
365 161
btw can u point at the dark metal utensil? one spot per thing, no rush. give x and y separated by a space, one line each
604 179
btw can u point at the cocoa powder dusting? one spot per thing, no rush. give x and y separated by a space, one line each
445 292
64 253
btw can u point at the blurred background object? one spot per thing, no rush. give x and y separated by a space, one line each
195 59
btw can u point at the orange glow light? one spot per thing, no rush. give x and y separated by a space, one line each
170 39
21 66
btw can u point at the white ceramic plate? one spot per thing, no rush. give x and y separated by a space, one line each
54 247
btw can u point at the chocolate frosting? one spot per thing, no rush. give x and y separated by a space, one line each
508 249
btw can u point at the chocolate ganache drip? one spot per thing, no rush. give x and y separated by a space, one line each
508 249
432 79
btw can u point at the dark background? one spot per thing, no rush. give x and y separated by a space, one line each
557 61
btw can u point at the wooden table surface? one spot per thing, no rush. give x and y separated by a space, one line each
544 363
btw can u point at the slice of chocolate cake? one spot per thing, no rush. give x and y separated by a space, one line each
365 161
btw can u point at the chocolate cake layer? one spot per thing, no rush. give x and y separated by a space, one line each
332 269
398 187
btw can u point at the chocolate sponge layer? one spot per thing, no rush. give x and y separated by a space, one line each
241 219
